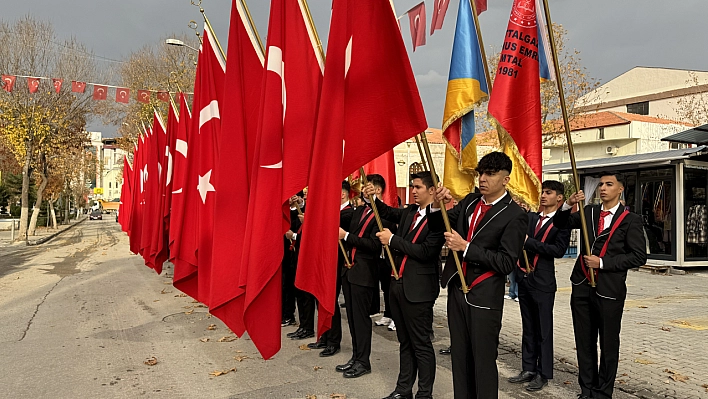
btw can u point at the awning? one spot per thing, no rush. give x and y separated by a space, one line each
628 161
697 135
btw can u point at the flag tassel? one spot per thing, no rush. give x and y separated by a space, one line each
465 289
378 221
566 123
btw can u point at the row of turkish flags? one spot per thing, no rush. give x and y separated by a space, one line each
100 92
416 17
213 188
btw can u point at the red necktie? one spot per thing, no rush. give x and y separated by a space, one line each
539 225
481 209
601 222
415 218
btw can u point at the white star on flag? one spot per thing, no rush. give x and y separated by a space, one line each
205 186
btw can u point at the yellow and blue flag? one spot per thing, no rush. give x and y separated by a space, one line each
544 47
466 88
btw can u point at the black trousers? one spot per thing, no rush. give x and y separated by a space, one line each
358 303
333 336
474 338
288 285
537 327
305 309
414 326
595 316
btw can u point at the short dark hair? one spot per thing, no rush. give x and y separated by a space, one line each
619 176
494 162
377 180
346 186
554 185
301 194
426 177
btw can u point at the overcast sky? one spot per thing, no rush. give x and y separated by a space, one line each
613 36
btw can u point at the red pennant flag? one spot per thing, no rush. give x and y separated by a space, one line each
244 75
376 87
122 95
163 96
57 86
416 16
9 82
283 148
78 87
144 96
150 185
439 11
100 92
195 240
158 253
518 82
33 84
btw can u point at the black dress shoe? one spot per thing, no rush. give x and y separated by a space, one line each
524 376
581 396
537 383
288 321
317 345
357 370
304 334
329 351
445 351
346 366
396 395
294 333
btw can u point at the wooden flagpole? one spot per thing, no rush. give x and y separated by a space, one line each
372 201
420 150
566 124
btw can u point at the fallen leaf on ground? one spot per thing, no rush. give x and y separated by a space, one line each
228 338
204 339
241 358
665 328
304 347
679 377
221 372
167 282
310 397
189 312
239 351
338 396
211 327
200 306
643 361
567 382
151 361
643 307
180 295
156 300
316 368
195 301
164 291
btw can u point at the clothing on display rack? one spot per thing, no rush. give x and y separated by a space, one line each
697 225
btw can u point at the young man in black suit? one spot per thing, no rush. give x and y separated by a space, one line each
416 251
289 264
537 288
305 301
617 245
360 283
488 235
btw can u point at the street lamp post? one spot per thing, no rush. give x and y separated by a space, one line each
177 42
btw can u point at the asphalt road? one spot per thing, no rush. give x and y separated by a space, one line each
82 317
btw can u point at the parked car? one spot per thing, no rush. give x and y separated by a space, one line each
95 215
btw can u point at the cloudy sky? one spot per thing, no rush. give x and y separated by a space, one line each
613 36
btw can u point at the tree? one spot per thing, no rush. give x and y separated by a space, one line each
693 108
33 125
576 83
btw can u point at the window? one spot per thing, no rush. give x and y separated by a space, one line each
638 108
601 134
109 185
677 146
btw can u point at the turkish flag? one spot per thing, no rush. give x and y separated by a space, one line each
138 188
369 104
100 92
144 96
244 76
384 165
416 16
168 166
177 206
9 81
158 253
57 84
150 185
439 11
125 195
33 84
122 95
481 6
515 103
291 89
78 87
163 96
195 246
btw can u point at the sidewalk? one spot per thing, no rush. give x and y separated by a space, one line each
663 350
42 233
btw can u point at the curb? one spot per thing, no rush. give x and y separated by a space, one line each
51 236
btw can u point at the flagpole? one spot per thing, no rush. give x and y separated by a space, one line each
253 25
465 289
566 123
372 201
314 29
420 150
211 30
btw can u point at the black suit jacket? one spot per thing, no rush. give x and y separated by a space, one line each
626 250
495 246
364 270
543 277
421 272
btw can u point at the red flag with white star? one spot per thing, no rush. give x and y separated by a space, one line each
78 87
9 82
33 84
143 96
57 84
416 17
122 95
100 92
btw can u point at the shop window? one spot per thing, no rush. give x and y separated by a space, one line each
638 108
695 187
655 206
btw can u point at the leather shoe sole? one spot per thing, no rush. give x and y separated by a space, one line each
329 351
355 372
344 367
524 376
